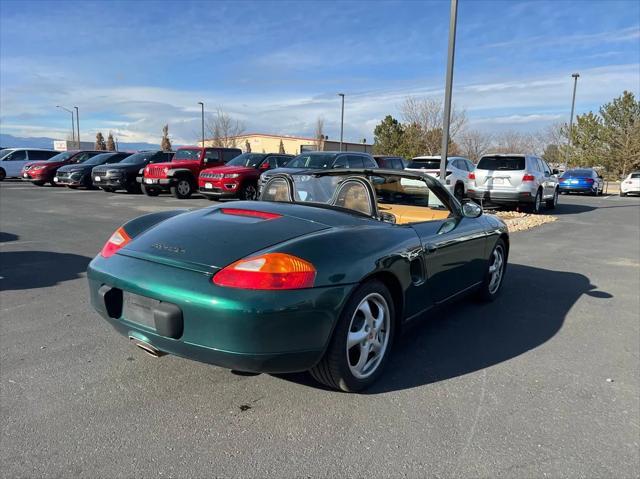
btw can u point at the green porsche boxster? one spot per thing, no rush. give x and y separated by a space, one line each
320 274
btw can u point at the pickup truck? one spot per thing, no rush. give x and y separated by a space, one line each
180 175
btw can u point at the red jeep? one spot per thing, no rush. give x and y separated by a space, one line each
180 175
239 177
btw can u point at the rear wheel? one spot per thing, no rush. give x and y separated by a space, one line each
38 183
149 191
553 202
361 342
182 189
3 174
536 206
495 273
249 192
458 191
108 189
133 189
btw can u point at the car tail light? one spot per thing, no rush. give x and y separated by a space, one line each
265 215
118 239
472 176
528 177
268 271
589 180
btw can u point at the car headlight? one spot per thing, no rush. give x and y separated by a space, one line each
76 174
38 168
232 175
165 170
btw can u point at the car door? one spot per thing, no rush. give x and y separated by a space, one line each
453 248
549 182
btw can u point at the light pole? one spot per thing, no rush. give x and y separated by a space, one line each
447 92
73 126
341 120
573 105
202 122
78 124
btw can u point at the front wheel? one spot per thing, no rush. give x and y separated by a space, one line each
108 189
38 183
149 191
553 202
3 174
182 190
361 341
622 194
249 192
495 273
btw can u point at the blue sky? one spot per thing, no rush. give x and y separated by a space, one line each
277 66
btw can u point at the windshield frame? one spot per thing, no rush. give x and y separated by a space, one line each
180 150
331 156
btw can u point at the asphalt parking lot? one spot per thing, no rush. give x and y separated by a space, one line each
543 382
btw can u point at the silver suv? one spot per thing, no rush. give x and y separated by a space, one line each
516 180
459 172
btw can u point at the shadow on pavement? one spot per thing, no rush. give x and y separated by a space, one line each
38 269
468 336
6 237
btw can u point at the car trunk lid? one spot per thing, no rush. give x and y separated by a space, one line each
500 171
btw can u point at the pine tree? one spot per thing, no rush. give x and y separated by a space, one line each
165 144
111 145
247 147
100 143
281 150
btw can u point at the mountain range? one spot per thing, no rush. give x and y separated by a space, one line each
10 141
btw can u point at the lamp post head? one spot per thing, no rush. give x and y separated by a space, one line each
341 94
200 103
575 75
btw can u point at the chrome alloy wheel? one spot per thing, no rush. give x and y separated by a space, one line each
368 335
183 187
496 269
250 192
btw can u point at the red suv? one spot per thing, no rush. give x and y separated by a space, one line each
41 172
180 175
239 177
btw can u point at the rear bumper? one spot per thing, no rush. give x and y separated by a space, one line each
500 197
575 188
270 331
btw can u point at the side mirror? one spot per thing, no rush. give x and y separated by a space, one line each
555 171
471 209
265 165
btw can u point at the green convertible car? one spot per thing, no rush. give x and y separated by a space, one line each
321 274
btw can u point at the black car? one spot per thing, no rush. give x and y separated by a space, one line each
322 160
79 174
123 175
390 162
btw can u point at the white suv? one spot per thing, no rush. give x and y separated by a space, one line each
631 184
459 172
515 180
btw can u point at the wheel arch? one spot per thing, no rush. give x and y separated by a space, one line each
391 281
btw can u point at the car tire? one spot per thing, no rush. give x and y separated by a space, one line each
553 202
38 183
458 191
369 331
249 192
211 198
149 191
182 189
536 206
3 174
133 189
622 194
108 189
492 284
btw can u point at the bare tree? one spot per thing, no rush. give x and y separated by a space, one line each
474 143
224 129
165 143
111 145
319 134
515 142
427 115
281 148
247 146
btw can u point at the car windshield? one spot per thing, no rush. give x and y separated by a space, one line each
138 157
247 159
507 163
312 160
5 152
62 156
576 174
98 159
187 154
424 164
406 199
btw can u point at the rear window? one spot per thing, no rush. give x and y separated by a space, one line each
577 174
506 163
635 175
425 164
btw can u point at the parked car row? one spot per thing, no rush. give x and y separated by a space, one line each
521 181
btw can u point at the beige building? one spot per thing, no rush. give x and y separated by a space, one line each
293 145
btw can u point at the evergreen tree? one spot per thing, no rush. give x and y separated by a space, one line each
281 149
111 145
388 137
165 143
100 143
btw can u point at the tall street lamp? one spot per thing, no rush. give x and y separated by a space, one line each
73 126
573 105
78 124
447 92
202 122
341 120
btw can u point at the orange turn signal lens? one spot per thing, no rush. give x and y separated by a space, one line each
117 240
267 271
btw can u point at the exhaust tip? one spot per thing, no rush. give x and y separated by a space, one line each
146 347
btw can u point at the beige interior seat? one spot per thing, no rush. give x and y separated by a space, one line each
413 214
